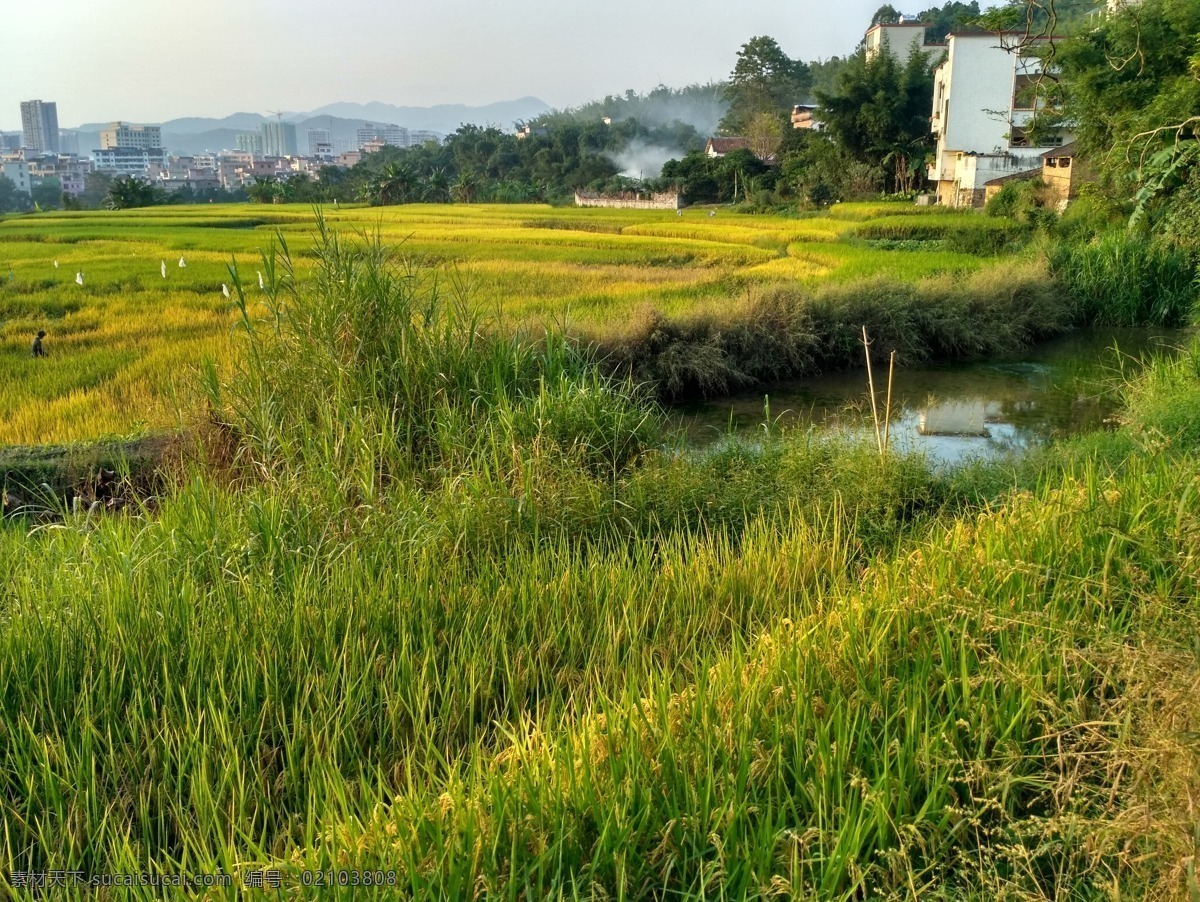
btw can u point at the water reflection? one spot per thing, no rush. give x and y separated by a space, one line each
956 411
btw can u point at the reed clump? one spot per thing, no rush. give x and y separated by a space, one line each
1123 279
789 330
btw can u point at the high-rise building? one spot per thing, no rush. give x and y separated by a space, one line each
68 142
143 137
394 135
319 137
39 122
10 141
417 137
279 139
251 143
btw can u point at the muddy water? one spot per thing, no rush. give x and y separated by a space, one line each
955 411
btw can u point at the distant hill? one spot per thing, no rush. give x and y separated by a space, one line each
194 134
444 118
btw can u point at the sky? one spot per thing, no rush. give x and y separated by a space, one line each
155 60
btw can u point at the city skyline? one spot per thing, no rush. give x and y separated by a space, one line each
473 52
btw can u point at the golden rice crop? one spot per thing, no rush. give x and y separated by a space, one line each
123 343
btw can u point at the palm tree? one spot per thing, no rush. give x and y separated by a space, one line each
127 192
466 189
263 190
394 185
436 187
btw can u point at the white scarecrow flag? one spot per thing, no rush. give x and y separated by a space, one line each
162 267
181 263
78 278
260 281
224 289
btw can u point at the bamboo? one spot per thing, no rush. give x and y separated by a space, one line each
871 385
887 408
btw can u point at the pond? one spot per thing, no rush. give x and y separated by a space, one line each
952 412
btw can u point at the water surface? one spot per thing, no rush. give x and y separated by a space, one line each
951 412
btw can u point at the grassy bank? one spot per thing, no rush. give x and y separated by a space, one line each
438 602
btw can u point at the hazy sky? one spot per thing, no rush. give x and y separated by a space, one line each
153 60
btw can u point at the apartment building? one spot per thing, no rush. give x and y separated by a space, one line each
39 125
141 137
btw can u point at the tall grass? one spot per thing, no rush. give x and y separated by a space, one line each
787 331
1122 279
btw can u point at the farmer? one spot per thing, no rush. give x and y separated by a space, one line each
38 350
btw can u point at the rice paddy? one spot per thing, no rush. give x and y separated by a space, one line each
438 611
126 343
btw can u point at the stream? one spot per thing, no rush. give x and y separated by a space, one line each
953 412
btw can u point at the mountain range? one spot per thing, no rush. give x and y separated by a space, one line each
193 134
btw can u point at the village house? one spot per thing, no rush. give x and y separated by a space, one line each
1064 173
900 40
984 100
804 116
718 147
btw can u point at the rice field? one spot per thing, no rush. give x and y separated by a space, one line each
443 613
125 344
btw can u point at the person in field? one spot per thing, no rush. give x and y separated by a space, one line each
38 350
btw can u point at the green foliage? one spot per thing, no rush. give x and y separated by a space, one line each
764 80
12 200
400 375
1163 403
127 193
879 114
791 331
1026 201
672 117
1132 92
438 601
1122 279
47 194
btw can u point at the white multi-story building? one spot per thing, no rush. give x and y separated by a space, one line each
319 138
142 137
417 137
984 98
900 40
128 160
17 171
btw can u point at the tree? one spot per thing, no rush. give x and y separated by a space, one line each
263 190
12 200
885 15
953 16
95 190
764 80
1131 91
47 194
880 111
764 132
126 193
